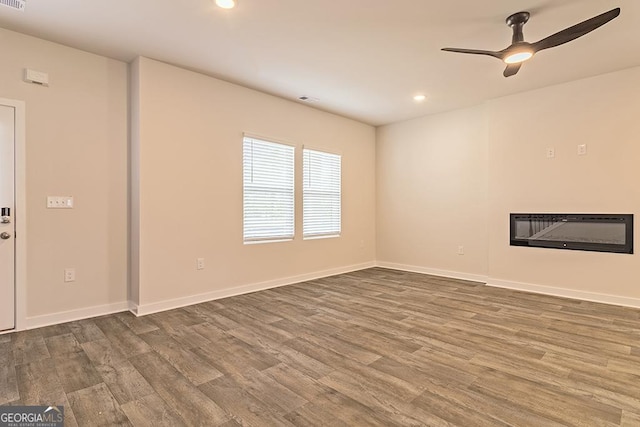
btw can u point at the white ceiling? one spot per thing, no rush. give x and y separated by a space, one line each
363 59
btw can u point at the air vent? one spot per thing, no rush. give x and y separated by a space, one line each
14 4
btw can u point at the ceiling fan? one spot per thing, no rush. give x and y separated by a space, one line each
520 50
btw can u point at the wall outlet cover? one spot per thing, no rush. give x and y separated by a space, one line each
69 274
551 153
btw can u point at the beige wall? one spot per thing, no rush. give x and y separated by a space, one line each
76 144
427 177
190 178
432 191
601 112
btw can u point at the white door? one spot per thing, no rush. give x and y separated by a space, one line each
7 216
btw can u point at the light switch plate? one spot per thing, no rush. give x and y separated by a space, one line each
59 202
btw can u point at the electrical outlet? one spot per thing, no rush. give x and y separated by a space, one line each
551 153
200 264
460 250
69 274
582 150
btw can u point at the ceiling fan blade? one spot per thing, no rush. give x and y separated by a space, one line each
474 52
512 69
575 31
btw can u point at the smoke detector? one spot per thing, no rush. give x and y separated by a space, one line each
14 4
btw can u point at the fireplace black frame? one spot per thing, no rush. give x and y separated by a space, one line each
626 219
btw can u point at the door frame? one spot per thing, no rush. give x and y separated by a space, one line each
19 171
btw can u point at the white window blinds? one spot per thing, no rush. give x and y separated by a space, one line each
321 201
268 196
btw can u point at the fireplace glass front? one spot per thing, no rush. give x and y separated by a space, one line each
586 232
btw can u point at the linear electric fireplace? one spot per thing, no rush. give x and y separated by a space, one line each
584 232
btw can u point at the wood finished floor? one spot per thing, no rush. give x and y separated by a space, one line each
371 348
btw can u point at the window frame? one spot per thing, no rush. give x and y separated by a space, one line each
289 191
336 232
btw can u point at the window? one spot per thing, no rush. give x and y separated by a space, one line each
321 194
268 190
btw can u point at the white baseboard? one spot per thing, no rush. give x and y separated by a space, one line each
144 309
140 310
528 287
567 293
433 271
71 315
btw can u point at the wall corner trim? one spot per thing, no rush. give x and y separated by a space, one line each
132 307
566 293
154 307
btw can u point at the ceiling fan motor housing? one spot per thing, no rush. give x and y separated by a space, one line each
516 22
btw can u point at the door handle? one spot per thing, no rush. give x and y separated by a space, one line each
5 236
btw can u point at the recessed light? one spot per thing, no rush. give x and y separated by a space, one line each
226 4
419 98
306 98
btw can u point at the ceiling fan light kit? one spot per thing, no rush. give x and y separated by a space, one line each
518 56
520 51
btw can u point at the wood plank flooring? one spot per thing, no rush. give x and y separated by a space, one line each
370 348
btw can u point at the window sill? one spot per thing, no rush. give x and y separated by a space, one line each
329 236
258 242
